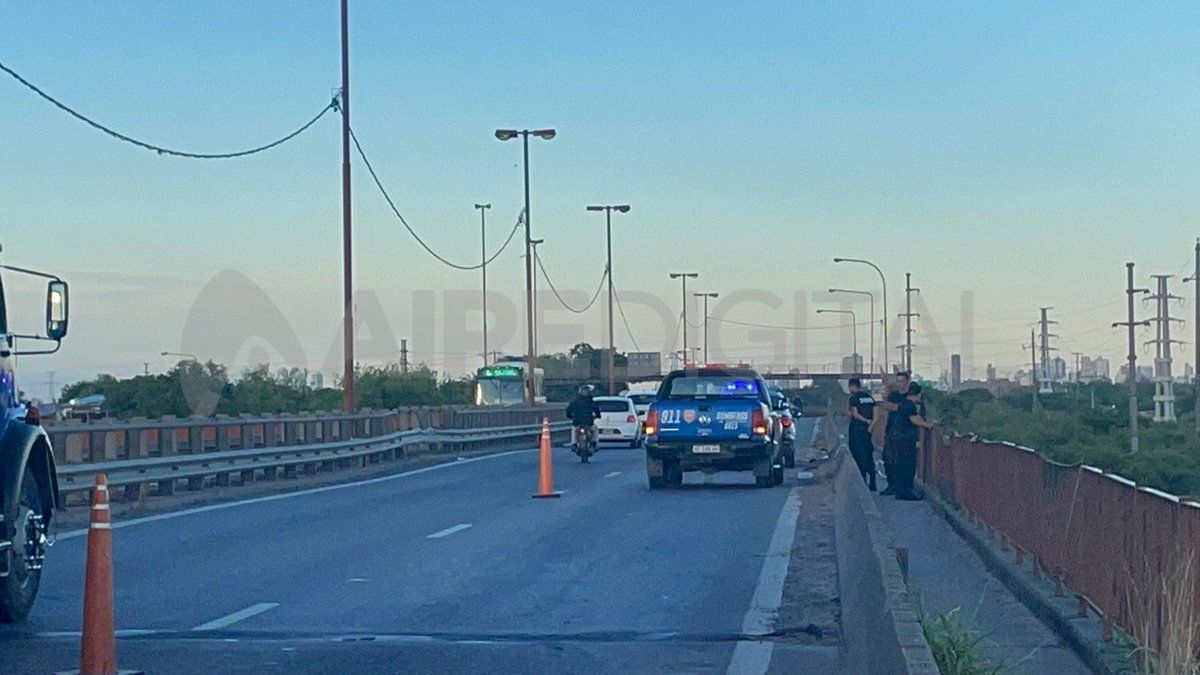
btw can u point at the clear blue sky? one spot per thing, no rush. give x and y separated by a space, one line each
1020 150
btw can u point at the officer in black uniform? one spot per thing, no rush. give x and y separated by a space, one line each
910 419
861 410
891 403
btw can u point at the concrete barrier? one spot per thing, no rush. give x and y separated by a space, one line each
880 628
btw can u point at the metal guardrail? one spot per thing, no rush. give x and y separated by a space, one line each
137 475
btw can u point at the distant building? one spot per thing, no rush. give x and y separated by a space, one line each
316 380
644 364
1144 373
1189 373
1058 369
955 370
1093 369
991 373
852 363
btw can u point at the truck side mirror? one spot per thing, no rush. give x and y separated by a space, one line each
56 309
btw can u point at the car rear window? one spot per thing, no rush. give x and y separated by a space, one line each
642 399
715 386
613 406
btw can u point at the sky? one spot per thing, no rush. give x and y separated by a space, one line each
1009 155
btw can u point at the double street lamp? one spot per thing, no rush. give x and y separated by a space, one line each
872 297
684 276
620 208
882 280
530 355
706 296
853 325
483 265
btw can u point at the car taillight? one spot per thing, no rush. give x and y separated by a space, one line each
786 421
650 426
758 422
631 418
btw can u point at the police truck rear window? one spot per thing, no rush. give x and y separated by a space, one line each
713 386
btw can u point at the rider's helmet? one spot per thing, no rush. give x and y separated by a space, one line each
586 390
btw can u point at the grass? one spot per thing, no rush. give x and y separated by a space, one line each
956 648
1178 640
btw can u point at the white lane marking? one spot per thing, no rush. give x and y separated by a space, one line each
240 615
613 474
288 495
449 531
753 656
120 632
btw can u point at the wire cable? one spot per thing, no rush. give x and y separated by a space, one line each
764 325
569 308
621 310
333 105
388 198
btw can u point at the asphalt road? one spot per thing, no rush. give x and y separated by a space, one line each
451 568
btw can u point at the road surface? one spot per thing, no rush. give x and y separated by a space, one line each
447 568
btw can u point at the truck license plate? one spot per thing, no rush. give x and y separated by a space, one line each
706 449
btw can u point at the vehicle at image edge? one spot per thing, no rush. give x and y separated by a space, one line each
712 419
28 482
781 408
642 396
618 421
503 383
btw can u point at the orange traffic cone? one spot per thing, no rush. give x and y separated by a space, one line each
545 472
98 650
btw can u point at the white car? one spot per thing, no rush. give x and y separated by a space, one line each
642 398
618 421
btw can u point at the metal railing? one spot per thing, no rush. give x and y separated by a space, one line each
1117 546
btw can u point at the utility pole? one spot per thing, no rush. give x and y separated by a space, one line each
612 347
403 356
1196 339
706 296
1164 381
146 368
533 244
908 317
1130 323
1044 322
1033 378
347 277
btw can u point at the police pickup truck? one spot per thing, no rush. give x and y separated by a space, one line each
712 419
28 483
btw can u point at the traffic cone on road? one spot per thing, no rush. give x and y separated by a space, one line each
545 471
98 648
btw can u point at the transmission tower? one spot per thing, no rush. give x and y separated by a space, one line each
1045 349
1164 381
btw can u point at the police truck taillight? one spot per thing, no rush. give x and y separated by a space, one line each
758 422
650 426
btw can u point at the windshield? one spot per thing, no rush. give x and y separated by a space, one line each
613 406
718 386
499 392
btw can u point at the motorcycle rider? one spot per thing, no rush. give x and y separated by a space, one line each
583 412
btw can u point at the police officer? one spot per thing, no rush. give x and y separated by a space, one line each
910 419
861 410
895 396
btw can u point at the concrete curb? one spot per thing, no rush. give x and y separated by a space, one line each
1081 635
881 631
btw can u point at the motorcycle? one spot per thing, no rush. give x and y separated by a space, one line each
582 443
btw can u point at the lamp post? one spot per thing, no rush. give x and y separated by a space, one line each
853 325
483 265
872 297
882 280
620 208
684 276
530 355
533 244
182 355
706 296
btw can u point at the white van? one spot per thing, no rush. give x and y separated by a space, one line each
642 395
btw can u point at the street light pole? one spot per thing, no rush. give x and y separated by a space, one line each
882 280
530 355
533 244
853 325
347 277
872 297
483 260
684 276
612 349
706 296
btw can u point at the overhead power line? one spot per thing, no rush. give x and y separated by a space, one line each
603 278
621 310
388 198
765 325
333 105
